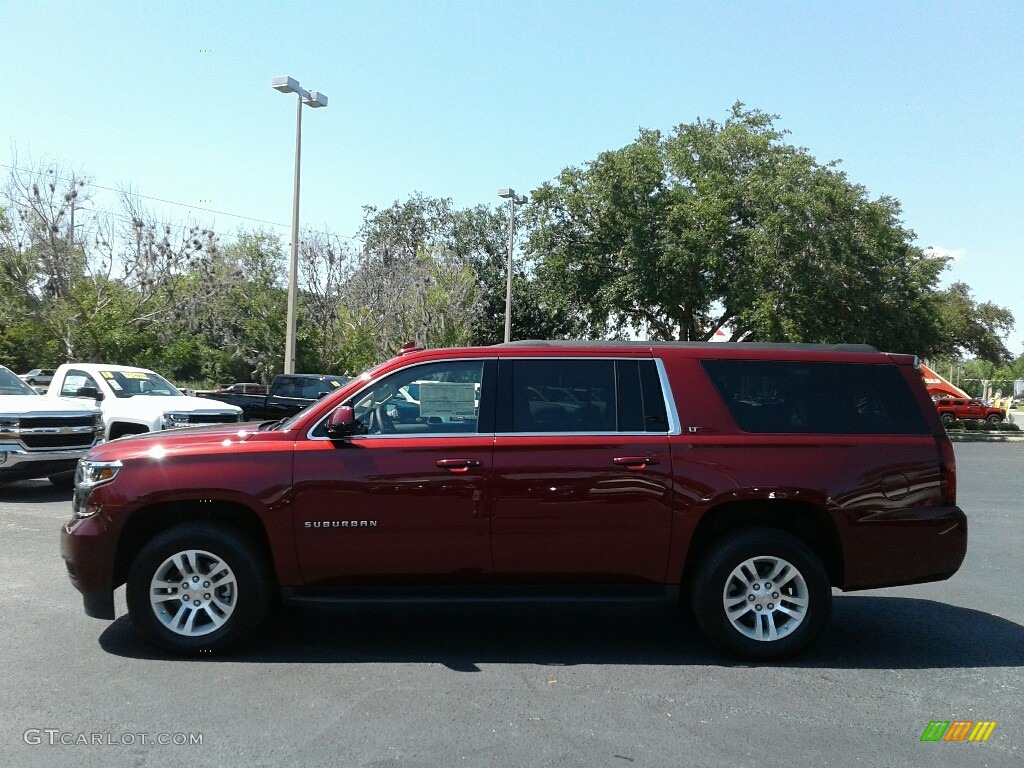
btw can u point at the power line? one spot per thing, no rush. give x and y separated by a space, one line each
183 205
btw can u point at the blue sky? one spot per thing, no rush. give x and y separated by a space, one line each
923 101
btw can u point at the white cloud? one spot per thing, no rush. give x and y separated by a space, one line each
937 252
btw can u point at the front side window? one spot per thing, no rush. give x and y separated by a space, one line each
433 398
79 384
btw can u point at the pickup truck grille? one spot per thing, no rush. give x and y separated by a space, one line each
43 422
212 418
35 441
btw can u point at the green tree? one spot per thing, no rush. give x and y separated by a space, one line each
88 277
727 226
970 327
238 303
477 238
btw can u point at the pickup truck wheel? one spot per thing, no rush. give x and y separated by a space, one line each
948 419
762 594
994 419
197 587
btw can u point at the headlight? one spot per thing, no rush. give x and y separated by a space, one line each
89 475
93 473
175 420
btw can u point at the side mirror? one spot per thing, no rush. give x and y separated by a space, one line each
342 423
90 392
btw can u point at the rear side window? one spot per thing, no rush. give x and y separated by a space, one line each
580 395
823 398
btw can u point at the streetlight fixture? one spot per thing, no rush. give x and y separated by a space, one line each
312 99
513 200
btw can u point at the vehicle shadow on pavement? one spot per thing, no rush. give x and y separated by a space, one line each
33 492
863 633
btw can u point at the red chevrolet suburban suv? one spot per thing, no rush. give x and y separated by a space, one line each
744 480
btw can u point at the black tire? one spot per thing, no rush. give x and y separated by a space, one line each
994 419
948 419
230 596
63 480
736 571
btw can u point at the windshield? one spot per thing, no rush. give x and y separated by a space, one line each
12 385
132 383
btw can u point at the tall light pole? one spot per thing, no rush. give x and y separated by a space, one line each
313 99
513 199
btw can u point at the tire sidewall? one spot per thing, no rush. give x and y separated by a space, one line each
238 553
723 557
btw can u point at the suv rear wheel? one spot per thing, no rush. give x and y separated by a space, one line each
197 587
762 594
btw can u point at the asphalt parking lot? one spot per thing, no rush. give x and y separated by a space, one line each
522 686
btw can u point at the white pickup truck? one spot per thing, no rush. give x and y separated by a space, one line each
136 400
41 436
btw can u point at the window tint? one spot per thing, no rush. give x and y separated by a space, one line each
562 396
827 398
640 399
630 396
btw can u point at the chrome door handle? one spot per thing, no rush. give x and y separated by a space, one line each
458 465
635 462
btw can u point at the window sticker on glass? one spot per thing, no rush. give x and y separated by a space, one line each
114 384
135 375
107 374
451 399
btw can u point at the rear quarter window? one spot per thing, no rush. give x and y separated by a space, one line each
817 397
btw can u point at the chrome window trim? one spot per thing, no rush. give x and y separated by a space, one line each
675 426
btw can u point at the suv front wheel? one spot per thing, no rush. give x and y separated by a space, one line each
762 594
197 587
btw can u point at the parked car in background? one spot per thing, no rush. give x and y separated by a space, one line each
243 388
136 400
37 377
952 408
41 436
750 480
289 393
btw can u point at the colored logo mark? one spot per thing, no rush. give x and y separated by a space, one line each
958 730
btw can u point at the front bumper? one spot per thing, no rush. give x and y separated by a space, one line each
16 463
88 551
